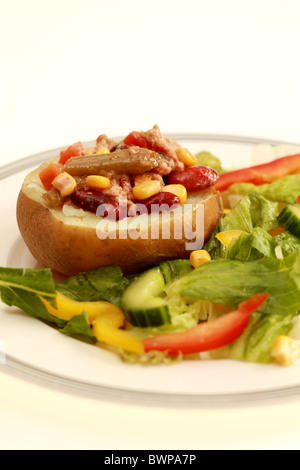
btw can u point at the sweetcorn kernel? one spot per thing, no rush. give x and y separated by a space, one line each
97 182
146 189
65 184
199 257
178 189
285 351
102 151
186 156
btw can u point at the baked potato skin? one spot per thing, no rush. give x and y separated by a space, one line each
70 249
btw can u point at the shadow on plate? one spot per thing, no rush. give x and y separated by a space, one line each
20 257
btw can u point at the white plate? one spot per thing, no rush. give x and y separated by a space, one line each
39 353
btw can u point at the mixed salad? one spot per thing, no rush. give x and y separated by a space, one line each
238 298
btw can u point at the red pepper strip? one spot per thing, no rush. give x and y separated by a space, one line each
260 174
298 199
210 335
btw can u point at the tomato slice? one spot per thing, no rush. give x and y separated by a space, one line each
210 335
277 231
49 174
136 139
260 174
75 150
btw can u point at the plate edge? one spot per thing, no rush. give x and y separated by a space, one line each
37 158
21 370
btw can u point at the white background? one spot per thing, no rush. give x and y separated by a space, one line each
72 69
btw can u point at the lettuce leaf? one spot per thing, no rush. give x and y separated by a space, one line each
282 190
256 342
25 288
207 159
253 211
175 269
183 316
78 327
262 334
105 284
253 246
230 282
288 243
214 246
260 244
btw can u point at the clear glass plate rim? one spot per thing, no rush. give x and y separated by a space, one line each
26 162
39 377
43 378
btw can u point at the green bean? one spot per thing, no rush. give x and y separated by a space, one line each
120 162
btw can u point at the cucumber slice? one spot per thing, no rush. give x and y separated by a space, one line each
142 301
289 218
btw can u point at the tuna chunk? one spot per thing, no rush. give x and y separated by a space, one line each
104 141
120 186
164 145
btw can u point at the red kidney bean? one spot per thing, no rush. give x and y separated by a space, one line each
154 203
91 200
119 146
196 178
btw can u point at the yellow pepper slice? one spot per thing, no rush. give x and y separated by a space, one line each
226 237
68 308
105 317
106 332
